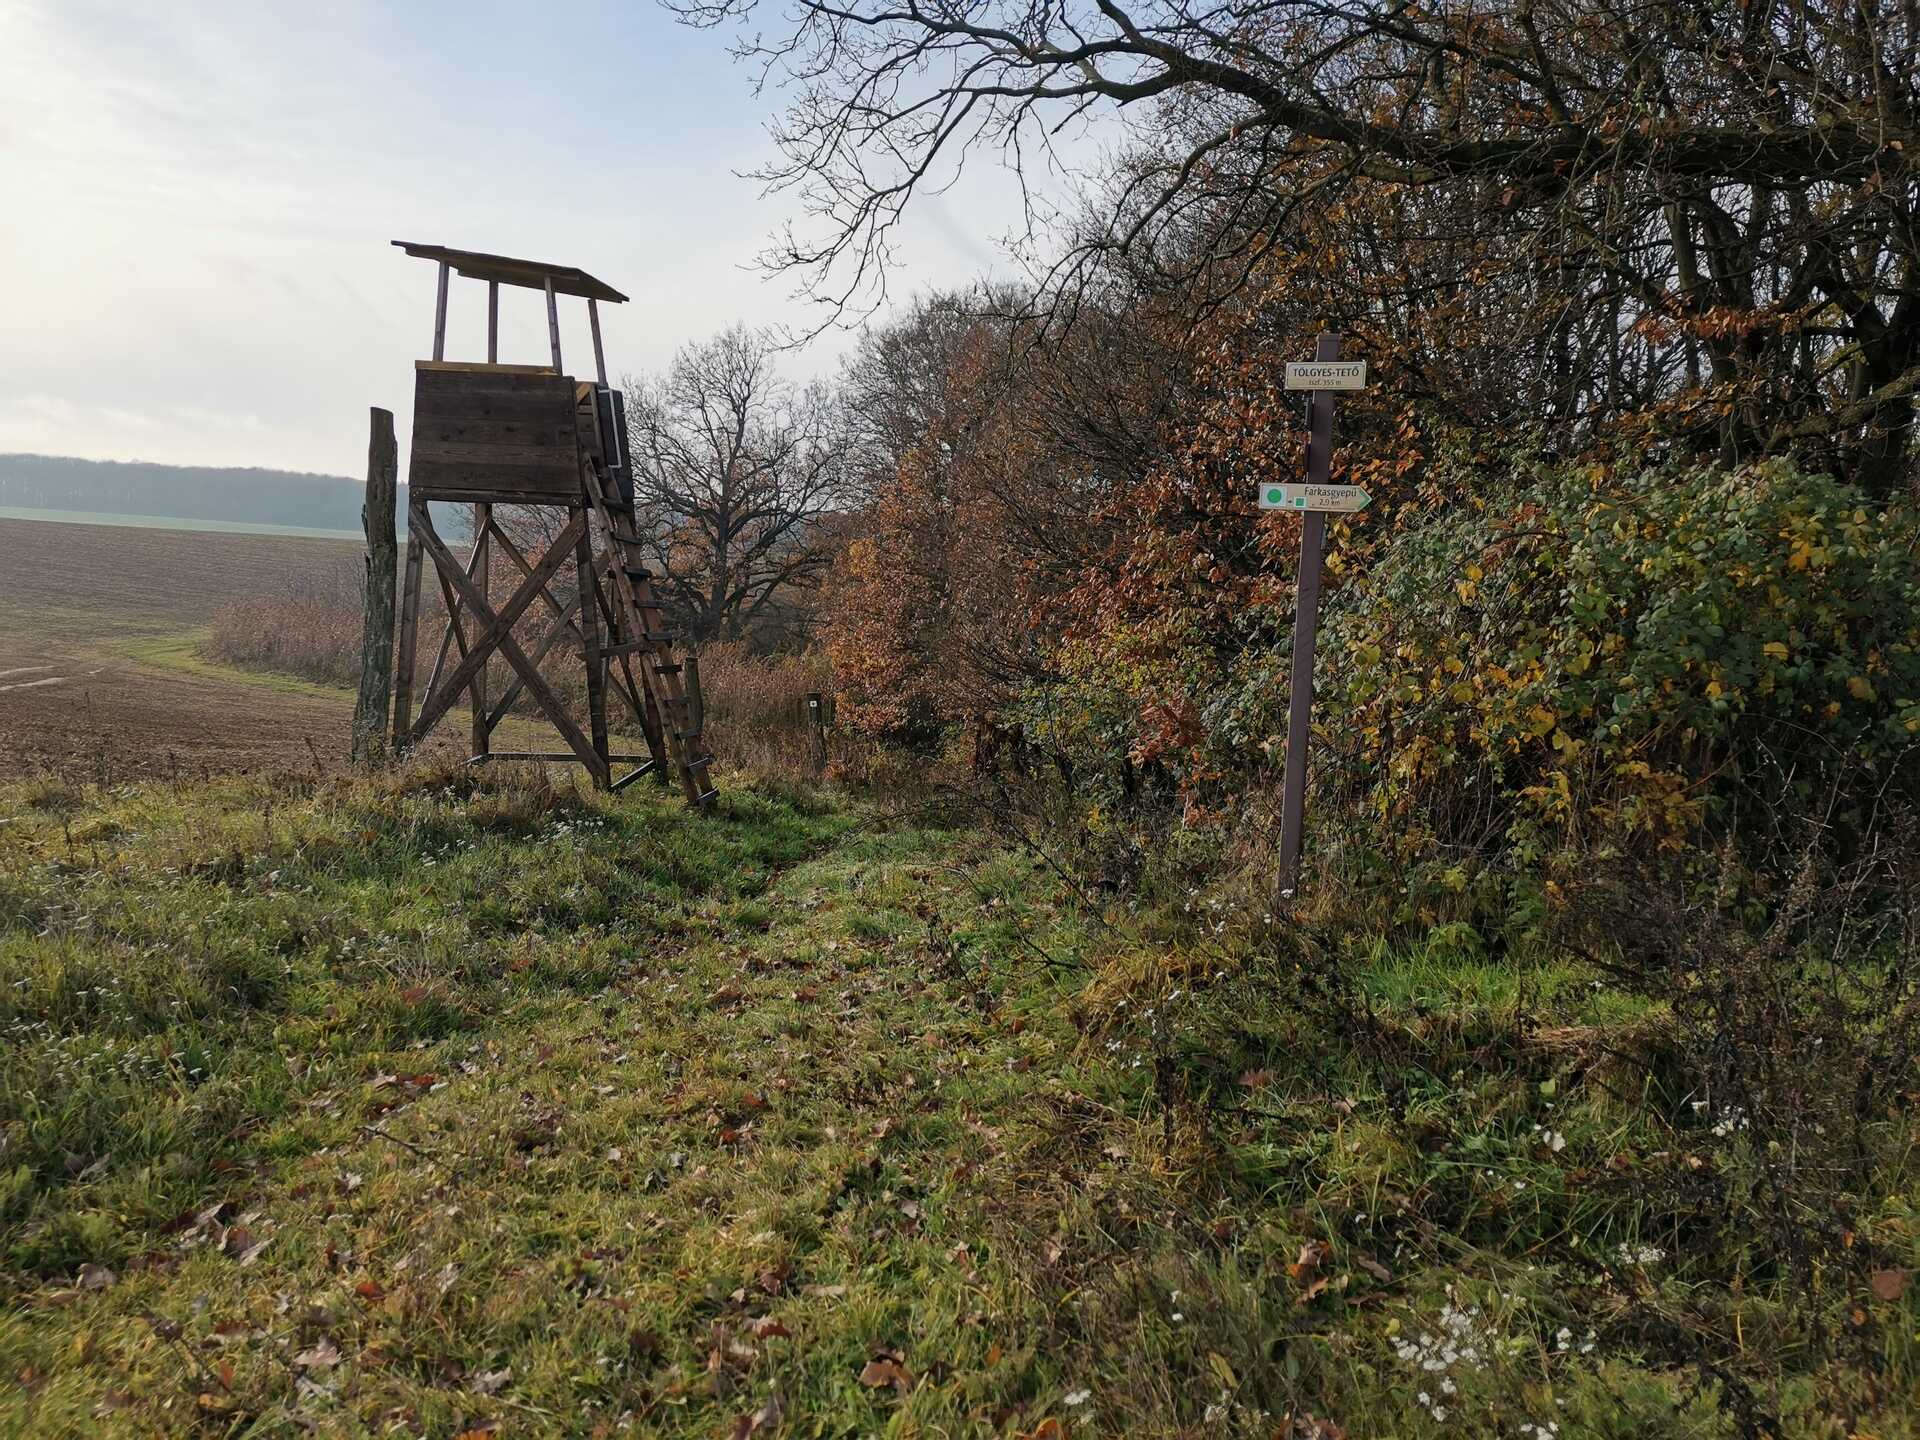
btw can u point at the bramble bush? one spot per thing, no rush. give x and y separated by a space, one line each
1660 657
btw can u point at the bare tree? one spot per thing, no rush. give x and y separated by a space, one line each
1667 200
737 471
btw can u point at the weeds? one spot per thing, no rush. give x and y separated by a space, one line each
459 1096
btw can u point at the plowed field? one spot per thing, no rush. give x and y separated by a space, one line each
100 670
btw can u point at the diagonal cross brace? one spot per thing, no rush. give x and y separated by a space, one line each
497 633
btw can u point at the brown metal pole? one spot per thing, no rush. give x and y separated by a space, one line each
1306 621
599 355
553 326
493 322
440 315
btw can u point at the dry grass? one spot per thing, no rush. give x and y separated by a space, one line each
309 638
756 707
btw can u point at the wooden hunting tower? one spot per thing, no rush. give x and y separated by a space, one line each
530 435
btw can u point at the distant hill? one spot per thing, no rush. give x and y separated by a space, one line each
186 492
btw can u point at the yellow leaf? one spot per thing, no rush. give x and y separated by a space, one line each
1775 649
1474 572
1860 688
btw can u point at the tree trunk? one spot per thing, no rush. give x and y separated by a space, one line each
376 636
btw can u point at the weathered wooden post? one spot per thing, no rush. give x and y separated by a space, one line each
817 731
376 634
1325 374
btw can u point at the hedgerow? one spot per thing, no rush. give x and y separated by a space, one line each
1659 657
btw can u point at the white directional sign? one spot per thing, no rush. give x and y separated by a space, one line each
1340 499
1326 375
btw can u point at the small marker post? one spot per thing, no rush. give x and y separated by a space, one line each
1314 500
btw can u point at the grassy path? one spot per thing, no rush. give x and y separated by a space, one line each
535 1111
458 1105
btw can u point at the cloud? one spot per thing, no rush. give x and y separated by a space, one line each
196 200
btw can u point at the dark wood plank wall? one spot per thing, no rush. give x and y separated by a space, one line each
494 436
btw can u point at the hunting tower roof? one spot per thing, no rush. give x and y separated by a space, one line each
533 274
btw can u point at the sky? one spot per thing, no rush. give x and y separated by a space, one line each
196 201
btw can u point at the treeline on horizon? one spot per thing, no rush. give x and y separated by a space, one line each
189 492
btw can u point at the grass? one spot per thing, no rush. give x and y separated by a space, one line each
451 1103
186 651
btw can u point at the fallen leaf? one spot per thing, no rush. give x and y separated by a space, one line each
1890 1284
879 1374
491 1382
767 1328
643 1344
1372 1266
1306 1427
767 1417
96 1277
1311 1254
1256 1079
369 1290
323 1354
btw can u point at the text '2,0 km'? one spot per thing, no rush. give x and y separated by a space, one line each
1327 375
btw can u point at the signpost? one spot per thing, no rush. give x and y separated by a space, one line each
1325 374
1333 499
1320 377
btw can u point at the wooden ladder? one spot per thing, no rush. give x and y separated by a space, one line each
638 614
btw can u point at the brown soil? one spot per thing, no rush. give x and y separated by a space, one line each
99 679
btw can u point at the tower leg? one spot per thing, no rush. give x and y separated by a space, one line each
483 574
404 658
596 669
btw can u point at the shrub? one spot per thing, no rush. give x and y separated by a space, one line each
756 707
314 639
1648 657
